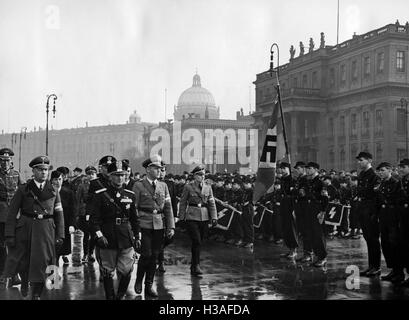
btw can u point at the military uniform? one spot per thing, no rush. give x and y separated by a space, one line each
155 214
115 223
368 216
33 235
247 216
316 202
404 221
197 207
388 196
9 182
288 225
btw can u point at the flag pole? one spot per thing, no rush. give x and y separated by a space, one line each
287 152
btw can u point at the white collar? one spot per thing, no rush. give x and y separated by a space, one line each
38 184
150 181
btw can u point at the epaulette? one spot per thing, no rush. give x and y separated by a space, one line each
130 191
101 190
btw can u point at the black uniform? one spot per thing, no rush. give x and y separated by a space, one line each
316 203
404 223
236 232
271 224
389 195
300 208
247 216
286 211
114 215
368 217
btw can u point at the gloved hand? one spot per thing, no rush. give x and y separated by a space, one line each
170 233
102 242
137 245
321 217
71 229
11 242
58 243
214 222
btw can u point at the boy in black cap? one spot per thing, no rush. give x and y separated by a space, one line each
404 217
286 211
235 233
390 194
247 214
317 202
368 182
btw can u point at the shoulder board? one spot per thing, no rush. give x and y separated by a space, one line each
101 190
126 190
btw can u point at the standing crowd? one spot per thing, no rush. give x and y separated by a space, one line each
121 213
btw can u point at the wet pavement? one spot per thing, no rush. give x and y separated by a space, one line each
238 274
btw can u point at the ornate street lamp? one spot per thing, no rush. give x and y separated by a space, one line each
47 110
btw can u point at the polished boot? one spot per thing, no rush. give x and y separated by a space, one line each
195 270
24 285
109 288
37 290
389 276
140 273
364 273
123 286
398 277
149 291
374 272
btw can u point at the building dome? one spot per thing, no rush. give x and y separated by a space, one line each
134 117
196 102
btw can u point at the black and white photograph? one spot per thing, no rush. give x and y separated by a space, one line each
205 150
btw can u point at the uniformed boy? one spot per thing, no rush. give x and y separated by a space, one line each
389 195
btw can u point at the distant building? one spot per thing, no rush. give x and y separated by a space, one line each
197 112
80 146
339 100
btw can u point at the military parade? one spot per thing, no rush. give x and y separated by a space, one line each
303 212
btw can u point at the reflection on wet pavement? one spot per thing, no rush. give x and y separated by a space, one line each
237 274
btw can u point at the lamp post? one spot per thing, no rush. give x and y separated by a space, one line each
47 110
13 140
404 103
287 150
19 149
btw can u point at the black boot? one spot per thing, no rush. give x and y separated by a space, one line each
195 270
37 290
109 288
24 285
150 275
123 286
149 291
161 258
140 273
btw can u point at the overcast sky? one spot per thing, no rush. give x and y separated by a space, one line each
106 58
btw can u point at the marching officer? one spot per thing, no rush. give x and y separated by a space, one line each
33 237
197 207
102 181
154 207
317 202
404 217
9 182
286 211
389 195
114 221
368 182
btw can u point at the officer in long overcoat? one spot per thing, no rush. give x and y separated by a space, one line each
32 235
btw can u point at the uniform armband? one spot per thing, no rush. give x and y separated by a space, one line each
99 234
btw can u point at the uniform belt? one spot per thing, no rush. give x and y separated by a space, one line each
119 221
199 205
149 210
37 216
